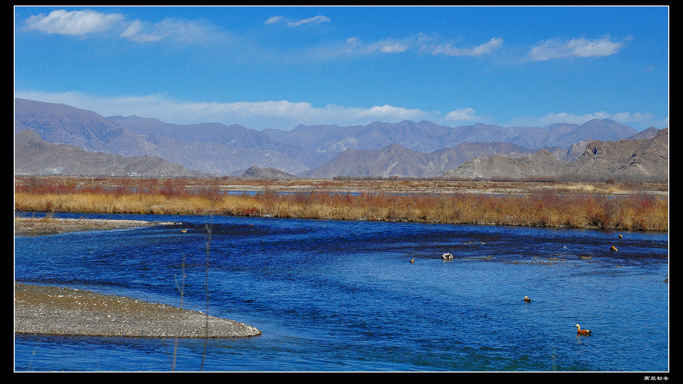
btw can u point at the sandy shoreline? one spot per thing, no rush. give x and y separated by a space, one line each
48 310
29 226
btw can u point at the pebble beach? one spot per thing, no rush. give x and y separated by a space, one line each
49 310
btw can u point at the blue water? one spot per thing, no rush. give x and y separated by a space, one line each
343 296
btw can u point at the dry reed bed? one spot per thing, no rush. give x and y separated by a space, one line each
635 211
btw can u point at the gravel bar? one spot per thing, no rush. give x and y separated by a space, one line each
28 226
51 310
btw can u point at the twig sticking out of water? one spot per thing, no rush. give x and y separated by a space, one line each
181 288
208 227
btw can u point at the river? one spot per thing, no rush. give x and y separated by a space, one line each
345 296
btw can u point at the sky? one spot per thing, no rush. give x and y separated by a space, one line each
277 67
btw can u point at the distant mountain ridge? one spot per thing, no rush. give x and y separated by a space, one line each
642 157
405 149
63 124
34 156
397 160
427 136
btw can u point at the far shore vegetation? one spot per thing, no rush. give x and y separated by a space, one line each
599 205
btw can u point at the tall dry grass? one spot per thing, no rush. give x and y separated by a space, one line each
538 209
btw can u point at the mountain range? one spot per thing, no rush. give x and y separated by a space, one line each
643 157
397 160
405 149
35 156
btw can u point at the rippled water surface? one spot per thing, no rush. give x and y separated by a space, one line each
344 296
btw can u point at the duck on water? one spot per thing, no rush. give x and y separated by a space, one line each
580 331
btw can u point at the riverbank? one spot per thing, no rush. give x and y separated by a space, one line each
30 226
62 311
50 310
612 206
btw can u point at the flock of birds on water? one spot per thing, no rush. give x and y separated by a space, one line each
579 331
448 256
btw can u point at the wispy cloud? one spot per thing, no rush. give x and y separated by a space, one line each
388 112
418 44
282 114
315 19
449 50
637 118
421 44
578 47
88 22
273 19
75 23
295 23
462 114
356 46
186 31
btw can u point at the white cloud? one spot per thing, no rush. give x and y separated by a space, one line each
388 46
280 114
578 47
85 22
355 45
637 118
462 114
186 31
273 20
315 19
387 112
280 108
134 33
295 23
73 22
393 48
283 114
448 49
419 43
351 44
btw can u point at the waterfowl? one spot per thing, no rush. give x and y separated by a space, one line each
580 331
183 230
527 299
446 256
620 236
412 260
613 248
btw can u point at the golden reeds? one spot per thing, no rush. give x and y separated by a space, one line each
539 209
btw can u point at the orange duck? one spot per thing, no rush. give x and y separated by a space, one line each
580 331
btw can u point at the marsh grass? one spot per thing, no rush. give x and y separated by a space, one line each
636 211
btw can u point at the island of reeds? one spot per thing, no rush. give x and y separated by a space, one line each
558 205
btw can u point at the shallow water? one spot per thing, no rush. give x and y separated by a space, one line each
343 296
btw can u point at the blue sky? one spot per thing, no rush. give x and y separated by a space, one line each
276 67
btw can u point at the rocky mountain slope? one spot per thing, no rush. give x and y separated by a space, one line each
427 136
266 174
34 156
626 159
397 160
211 150
637 159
